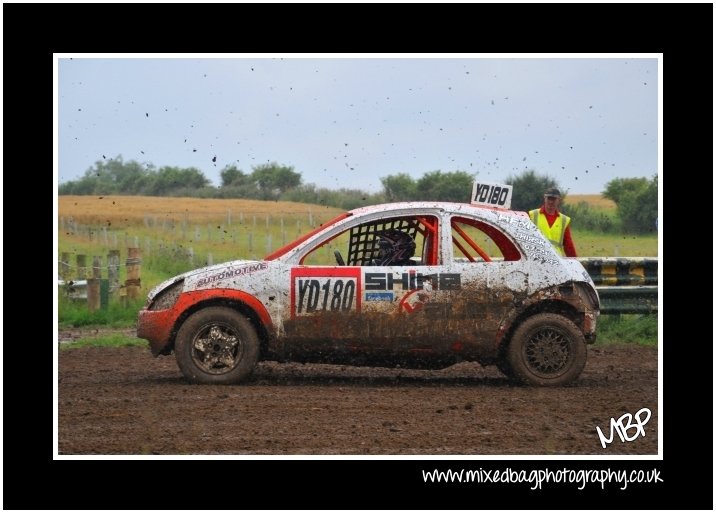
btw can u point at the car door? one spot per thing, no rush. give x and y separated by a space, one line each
493 279
361 306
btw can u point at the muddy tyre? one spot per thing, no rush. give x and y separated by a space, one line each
547 350
217 345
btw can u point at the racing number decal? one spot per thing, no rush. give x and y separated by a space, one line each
334 294
317 290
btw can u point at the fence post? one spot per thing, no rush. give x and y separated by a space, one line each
113 269
133 281
93 288
81 267
65 267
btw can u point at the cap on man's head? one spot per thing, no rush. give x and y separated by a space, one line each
553 192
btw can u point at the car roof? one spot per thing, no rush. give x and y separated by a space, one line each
435 205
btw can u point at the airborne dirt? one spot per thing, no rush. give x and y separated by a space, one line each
124 401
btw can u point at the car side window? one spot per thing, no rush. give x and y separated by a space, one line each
366 244
476 241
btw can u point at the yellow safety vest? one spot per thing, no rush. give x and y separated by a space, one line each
555 233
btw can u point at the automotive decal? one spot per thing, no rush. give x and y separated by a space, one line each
414 301
379 296
232 273
316 290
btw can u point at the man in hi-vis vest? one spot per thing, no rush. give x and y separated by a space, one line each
553 224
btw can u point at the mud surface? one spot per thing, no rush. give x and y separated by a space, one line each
124 401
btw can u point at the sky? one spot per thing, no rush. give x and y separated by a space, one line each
349 120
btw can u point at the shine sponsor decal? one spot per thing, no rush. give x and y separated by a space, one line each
232 273
412 280
315 290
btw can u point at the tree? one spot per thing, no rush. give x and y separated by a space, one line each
451 186
528 189
617 188
231 175
113 176
637 202
273 179
169 179
400 187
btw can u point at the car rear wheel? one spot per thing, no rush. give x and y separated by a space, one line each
217 345
547 350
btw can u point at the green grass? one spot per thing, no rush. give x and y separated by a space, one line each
627 329
595 244
74 313
111 340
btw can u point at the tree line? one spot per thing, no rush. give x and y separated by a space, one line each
636 198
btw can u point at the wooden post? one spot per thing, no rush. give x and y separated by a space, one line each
133 281
113 269
96 267
65 266
209 259
228 218
81 267
123 296
93 292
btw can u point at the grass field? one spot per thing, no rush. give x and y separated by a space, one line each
593 200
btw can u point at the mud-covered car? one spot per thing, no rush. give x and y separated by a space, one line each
419 285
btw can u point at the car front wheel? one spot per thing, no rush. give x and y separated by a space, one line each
547 350
217 345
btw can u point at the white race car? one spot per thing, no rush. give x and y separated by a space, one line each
419 284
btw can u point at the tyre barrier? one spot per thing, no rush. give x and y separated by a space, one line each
622 270
625 284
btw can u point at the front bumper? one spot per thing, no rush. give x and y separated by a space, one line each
156 327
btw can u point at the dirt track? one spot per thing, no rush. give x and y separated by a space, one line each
124 401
